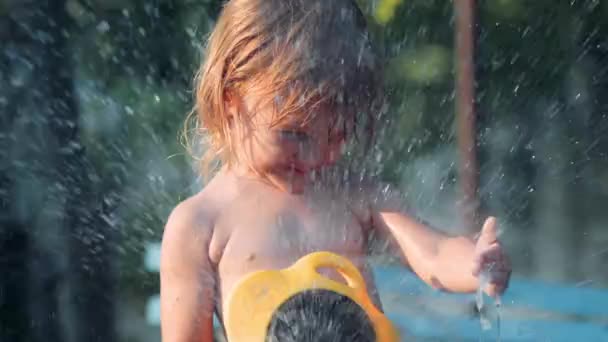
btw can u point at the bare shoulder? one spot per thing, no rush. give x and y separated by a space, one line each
191 216
187 233
190 233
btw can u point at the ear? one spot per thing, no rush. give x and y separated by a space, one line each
232 104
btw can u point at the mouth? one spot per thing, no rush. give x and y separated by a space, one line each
297 171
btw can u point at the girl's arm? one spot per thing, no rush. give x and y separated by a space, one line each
444 262
187 280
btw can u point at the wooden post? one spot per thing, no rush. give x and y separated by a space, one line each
464 11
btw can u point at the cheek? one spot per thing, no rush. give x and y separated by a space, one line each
267 153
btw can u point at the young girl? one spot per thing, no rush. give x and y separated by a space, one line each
281 91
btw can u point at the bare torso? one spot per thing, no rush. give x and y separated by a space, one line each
257 227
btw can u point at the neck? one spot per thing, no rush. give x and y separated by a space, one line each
251 175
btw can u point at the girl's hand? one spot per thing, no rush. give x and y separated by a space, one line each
491 264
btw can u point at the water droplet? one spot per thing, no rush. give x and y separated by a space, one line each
103 27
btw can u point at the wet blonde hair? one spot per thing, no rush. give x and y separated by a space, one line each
294 54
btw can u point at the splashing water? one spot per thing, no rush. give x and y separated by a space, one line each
484 320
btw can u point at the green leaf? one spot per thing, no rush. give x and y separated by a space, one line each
427 64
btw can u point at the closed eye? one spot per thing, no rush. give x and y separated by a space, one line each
296 136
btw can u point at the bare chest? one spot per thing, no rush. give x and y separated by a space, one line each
267 235
277 235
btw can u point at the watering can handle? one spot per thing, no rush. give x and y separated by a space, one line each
351 274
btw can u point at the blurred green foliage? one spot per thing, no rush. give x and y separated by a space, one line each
386 9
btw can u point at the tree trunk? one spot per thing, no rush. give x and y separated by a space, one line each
465 39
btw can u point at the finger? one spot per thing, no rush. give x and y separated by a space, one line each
490 255
507 277
506 262
494 249
499 278
496 290
503 284
488 233
491 290
486 258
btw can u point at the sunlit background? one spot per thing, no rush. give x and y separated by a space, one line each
93 95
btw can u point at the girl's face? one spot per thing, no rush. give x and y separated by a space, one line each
287 154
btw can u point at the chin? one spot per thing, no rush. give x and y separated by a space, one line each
291 182
294 185
297 187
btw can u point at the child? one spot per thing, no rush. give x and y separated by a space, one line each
278 96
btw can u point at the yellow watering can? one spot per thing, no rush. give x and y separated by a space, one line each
255 298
